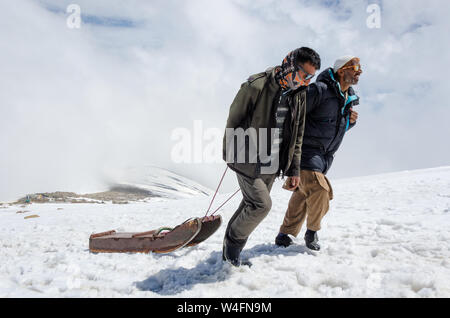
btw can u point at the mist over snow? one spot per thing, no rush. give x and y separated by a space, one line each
79 104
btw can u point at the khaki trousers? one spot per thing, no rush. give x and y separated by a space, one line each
309 201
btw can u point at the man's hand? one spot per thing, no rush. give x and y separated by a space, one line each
353 116
292 183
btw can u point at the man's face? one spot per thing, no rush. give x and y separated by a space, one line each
349 74
299 78
305 72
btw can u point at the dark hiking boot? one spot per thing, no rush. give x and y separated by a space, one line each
231 254
312 240
283 240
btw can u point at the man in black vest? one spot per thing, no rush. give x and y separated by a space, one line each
329 115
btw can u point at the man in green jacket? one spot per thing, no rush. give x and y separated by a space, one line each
263 140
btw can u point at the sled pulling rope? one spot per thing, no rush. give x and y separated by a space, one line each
225 201
218 187
163 240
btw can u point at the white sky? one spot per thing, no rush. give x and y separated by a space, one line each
78 103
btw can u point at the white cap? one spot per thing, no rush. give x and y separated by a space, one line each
342 61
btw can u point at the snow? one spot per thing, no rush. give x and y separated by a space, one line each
158 181
384 236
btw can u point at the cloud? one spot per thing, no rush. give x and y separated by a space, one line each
77 103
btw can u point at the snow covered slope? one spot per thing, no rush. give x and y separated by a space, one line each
160 182
385 236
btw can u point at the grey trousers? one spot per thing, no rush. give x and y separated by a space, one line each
254 207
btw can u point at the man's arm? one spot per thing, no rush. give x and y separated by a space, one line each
313 96
294 169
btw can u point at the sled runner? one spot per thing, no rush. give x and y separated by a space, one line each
162 240
210 224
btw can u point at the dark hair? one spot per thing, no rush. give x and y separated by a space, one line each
305 54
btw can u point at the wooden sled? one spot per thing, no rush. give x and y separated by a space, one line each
162 240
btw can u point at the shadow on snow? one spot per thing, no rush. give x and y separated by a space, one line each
212 270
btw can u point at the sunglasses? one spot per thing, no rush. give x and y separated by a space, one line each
355 67
307 75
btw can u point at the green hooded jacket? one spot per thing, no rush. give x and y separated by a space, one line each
255 107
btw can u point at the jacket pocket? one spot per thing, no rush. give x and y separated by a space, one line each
324 183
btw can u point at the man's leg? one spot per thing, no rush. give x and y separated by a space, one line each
318 200
297 210
254 207
310 202
318 204
295 214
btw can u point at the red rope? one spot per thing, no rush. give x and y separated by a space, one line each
210 204
226 201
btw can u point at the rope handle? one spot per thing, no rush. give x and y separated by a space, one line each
163 229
